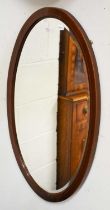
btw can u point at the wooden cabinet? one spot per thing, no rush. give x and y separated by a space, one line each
67 58
72 134
79 131
73 109
72 68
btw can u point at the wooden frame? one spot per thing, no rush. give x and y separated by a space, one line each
94 88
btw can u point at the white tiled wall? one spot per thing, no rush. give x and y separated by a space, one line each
42 83
36 93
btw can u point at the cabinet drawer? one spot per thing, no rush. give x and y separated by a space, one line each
82 111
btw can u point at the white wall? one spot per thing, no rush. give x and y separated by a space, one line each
15 194
36 93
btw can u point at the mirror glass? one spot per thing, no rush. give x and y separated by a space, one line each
51 104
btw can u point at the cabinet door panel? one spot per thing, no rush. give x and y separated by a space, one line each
63 141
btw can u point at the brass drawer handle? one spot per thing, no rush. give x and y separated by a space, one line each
85 110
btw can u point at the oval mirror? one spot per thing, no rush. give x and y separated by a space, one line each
53 103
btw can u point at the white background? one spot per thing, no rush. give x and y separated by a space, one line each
15 193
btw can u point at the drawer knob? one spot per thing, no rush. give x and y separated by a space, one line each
85 110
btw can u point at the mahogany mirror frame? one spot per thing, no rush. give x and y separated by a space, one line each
94 88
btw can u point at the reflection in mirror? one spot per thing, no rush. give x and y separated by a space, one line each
52 104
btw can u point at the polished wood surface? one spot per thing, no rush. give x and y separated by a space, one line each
73 109
68 51
72 131
63 141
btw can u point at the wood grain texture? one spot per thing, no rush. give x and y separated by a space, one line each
63 141
72 103
72 132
